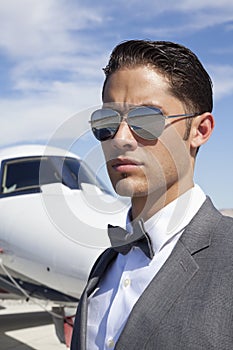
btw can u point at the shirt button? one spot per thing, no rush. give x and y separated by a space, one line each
126 282
110 343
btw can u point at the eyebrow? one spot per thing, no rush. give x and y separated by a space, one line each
151 104
121 107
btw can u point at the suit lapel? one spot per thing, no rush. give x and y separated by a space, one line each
198 233
158 297
98 270
170 281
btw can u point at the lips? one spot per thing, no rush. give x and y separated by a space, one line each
125 164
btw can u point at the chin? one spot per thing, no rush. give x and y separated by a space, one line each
127 188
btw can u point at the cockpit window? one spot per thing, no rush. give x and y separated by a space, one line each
28 174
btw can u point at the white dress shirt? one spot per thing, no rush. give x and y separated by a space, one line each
126 279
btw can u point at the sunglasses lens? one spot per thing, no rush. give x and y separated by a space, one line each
147 122
104 123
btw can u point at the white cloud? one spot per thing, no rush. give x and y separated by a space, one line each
29 75
33 119
222 76
51 71
171 5
37 28
188 5
194 22
44 46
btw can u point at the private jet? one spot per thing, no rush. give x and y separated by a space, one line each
54 213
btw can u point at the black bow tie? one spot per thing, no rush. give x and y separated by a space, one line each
122 241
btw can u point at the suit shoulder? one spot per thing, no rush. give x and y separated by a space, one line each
223 235
226 223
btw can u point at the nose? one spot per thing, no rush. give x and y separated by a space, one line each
124 137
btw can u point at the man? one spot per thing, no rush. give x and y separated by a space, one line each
171 286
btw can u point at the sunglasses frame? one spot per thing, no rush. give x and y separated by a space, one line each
126 117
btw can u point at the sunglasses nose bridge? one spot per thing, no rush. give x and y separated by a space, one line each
124 117
123 120
124 133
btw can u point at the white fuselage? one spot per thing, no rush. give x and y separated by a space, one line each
54 236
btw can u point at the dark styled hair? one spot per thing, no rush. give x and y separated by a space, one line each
187 78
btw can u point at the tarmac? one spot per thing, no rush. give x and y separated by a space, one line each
27 326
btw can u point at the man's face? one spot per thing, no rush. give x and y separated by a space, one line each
138 167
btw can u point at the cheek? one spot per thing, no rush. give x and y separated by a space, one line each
105 148
176 151
160 165
155 169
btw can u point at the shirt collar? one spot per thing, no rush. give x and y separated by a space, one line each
173 218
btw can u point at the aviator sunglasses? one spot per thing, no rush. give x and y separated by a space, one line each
146 122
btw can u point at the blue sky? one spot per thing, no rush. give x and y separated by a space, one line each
51 58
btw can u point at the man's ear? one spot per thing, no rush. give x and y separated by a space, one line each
202 128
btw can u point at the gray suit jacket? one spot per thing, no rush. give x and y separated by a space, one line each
189 303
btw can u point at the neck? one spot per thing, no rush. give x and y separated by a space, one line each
145 207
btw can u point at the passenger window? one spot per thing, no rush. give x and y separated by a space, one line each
24 174
29 173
